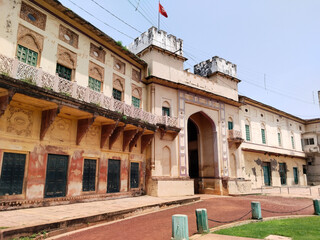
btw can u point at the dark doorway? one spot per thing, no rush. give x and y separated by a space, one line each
193 154
89 175
113 176
266 173
56 179
283 173
12 173
295 175
134 175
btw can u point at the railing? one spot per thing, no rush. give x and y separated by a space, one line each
25 72
234 134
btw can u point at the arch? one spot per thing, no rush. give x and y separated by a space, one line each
30 41
166 161
166 104
203 164
66 59
96 73
166 108
117 84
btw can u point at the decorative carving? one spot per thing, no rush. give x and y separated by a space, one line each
5 101
106 131
30 39
136 75
68 36
96 72
118 82
128 137
47 119
97 53
119 66
19 121
135 140
136 91
66 57
115 135
33 16
83 127
145 141
60 129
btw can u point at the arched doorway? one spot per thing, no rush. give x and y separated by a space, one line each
202 152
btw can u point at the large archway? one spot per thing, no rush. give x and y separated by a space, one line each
202 153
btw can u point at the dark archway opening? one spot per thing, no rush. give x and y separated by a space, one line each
193 153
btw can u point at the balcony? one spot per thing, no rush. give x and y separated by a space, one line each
234 137
24 72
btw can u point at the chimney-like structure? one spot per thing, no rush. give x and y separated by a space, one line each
157 38
215 64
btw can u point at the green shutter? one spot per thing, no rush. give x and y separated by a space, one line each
247 132
136 102
117 94
94 84
165 111
263 135
89 175
230 125
63 72
27 56
279 139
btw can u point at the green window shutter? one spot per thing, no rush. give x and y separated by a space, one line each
94 84
279 139
136 102
230 125
247 132
64 72
292 142
27 56
134 175
165 111
89 175
117 94
263 135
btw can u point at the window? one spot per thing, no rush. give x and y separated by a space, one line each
89 175
94 84
27 56
263 135
279 138
230 125
247 132
292 142
283 173
136 102
12 173
117 94
165 111
134 175
309 141
64 72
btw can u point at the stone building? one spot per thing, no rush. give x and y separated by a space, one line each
81 117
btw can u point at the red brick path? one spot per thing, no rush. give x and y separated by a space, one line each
157 226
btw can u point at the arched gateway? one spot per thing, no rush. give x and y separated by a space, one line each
203 153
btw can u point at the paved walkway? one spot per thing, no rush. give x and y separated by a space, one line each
35 216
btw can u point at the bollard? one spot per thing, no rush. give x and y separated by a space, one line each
180 227
316 205
202 220
256 210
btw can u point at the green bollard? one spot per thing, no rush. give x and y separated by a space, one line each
180 227
316 205
202 220
256 210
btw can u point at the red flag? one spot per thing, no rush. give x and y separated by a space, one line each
162 11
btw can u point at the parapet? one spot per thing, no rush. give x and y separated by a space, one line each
158 38
215 64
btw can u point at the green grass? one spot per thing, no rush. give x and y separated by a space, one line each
3 227
297 228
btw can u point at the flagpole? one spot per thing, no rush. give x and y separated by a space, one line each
159 17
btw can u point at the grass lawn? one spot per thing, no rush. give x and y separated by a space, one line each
307 228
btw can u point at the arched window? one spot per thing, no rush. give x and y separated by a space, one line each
279 137
136 95
118 87
247 128
166 108
96 75
230 123
66 63
263 133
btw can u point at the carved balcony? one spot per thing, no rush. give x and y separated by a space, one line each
235 137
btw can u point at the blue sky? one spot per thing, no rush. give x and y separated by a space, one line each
276 40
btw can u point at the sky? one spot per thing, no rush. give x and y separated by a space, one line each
274 43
